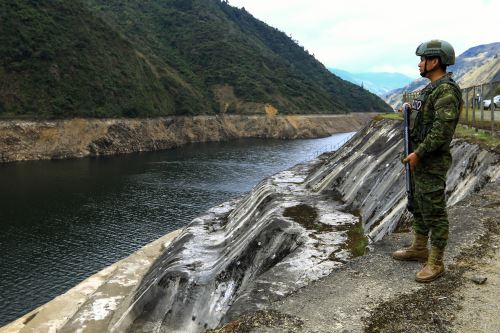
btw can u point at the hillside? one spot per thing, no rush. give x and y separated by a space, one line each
377 82
57 59
477 65
98 58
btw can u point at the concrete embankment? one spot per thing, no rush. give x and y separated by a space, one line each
299 226
106 290
59 139
376 294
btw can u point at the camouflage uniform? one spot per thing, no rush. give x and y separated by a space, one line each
433 120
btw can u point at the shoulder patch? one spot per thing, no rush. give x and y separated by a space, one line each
445 88
446 99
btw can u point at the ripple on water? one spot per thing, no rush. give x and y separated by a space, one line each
62 221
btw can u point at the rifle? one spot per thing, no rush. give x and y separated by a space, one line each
408 150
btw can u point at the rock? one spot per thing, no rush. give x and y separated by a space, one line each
478 279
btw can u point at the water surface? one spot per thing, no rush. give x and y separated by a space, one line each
62 221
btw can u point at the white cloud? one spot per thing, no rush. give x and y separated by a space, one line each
361 35
404 69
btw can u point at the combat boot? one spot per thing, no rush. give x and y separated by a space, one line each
416 252
434 267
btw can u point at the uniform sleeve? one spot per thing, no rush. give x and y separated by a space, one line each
446 106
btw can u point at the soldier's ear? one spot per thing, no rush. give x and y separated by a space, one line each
434 63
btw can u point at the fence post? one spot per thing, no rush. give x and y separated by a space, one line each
474 105
481 104
492 109
467 106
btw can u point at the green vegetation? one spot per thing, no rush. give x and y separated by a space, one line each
390 115
58 60
307 216
481 137
357 240
114 58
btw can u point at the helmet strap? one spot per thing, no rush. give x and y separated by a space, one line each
426 71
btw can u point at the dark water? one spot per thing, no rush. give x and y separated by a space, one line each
62 221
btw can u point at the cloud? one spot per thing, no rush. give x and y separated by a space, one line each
359 35
408 70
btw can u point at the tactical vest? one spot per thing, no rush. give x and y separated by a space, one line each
418 128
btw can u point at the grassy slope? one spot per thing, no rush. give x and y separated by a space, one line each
481 137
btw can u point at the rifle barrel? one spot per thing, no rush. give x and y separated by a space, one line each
408 150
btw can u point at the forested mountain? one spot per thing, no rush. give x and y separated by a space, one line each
58 59
102 58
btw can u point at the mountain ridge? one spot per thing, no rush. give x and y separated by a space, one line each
93 58
378 83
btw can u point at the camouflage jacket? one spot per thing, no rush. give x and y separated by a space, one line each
434 117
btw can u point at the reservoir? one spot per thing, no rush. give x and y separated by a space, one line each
62 221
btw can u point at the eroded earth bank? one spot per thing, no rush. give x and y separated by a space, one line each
22 140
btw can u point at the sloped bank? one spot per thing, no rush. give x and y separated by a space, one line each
293 228
376 294
59 139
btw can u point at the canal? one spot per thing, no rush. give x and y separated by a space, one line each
62 221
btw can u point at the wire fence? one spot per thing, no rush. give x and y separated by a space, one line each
481 106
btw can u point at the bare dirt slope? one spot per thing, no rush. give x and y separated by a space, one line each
22 140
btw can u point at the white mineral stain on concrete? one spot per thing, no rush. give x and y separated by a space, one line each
101 308
337 218
125 275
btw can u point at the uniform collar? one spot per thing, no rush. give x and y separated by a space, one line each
445 78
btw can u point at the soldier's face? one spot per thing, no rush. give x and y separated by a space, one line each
428 65
421 65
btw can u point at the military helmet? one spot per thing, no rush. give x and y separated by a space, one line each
437 48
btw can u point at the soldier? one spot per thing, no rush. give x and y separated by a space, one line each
433 120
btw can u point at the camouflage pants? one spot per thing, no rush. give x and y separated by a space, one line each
430 204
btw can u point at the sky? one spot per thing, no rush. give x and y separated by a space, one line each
381 35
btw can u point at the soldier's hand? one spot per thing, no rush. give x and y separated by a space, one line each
403 106
412 159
